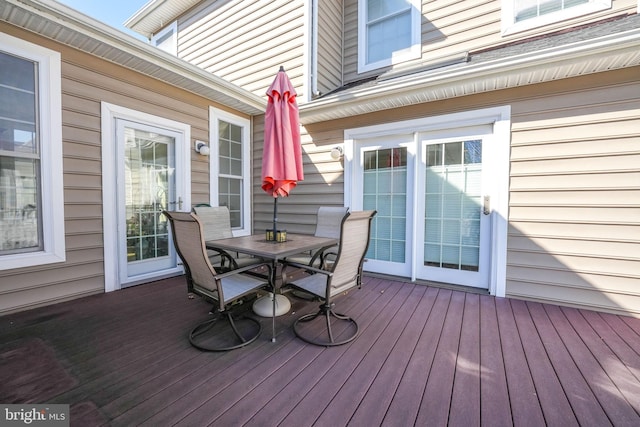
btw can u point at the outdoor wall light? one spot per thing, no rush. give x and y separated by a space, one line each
202 148
336 153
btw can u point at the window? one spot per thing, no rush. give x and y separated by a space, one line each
520 15
230 160
167 39
388 32
31 196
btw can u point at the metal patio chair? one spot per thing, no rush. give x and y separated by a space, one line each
328 223
216 221
345 273
223 288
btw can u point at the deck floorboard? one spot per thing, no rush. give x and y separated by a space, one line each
424 356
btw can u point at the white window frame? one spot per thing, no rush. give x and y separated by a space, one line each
216 114
509 26
172 47
412 52
50 144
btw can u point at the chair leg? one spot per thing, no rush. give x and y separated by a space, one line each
236 334
327 312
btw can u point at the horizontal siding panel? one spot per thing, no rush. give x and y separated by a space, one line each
84 225
82 195
609 146
569 131
596 249
628 198
595 214
83 166
83 180
82 241
38 297
584 231
582 264
245 42
83 210
82 150
580 104
581 165
41 278
584 298
574 280
577 181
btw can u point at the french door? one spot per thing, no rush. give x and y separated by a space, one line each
454 206
433 200
387 186
146 177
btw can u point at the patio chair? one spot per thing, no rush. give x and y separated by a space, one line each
327 284
328 222
216 221
224 289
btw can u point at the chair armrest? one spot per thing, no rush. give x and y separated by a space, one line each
224 255
306 267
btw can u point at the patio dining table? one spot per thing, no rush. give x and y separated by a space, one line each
257 245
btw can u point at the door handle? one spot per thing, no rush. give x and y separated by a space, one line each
486 205
179 203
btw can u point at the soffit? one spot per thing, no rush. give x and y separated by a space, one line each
482 73
72 28
156 14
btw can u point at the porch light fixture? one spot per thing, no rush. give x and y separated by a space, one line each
202 148
336 153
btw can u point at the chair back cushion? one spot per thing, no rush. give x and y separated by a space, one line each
329 221
215 220
188 240
354 241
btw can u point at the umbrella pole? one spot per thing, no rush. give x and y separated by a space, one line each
275 217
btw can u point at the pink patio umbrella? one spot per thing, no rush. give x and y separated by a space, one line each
282 153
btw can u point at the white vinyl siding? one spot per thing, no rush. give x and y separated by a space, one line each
329 49
245 42
85 82
451 27
574 218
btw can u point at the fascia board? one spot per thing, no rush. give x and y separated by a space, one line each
82 32
566 61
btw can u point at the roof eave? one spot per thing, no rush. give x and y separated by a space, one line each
606 53
156 14
72 28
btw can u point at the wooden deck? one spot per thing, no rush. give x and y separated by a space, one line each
425 356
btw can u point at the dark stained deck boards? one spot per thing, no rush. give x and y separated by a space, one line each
424 356
494 391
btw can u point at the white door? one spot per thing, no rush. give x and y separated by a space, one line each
386 171
146 185
441 188
453 224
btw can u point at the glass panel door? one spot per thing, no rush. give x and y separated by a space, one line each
454 235
147 187
386 187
